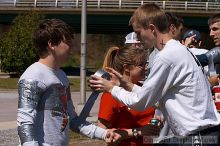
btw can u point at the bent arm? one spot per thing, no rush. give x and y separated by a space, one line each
150 93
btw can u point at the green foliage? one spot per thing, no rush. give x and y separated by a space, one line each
16 48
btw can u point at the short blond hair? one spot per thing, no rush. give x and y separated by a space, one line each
150 14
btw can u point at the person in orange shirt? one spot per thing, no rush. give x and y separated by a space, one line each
131 63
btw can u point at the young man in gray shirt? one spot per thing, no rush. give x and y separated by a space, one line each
45 109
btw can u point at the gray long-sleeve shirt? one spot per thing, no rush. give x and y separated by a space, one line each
45 105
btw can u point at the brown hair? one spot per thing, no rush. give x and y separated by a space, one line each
213 19
117 57
174 19
53 30
150 14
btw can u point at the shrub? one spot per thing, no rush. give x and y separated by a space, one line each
16 48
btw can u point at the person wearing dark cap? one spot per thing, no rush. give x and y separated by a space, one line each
192 39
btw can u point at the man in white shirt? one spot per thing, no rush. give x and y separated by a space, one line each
175 81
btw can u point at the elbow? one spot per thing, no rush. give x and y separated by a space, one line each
139 108
138 105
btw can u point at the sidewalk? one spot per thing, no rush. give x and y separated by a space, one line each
8 105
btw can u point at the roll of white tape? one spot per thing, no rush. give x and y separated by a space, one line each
91 100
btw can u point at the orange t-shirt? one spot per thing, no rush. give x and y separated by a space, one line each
120 116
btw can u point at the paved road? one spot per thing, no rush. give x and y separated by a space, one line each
8 107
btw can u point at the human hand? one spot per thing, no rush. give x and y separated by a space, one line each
100 84
124 134
214 80
150 130
188 41
118 79
112 138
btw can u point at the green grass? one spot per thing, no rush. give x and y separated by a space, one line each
8 83
75 135
79 139
11 83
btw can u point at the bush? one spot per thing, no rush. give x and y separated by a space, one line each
16 48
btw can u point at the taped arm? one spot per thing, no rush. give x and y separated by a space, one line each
29 92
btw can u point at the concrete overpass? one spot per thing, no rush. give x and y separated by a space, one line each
107 16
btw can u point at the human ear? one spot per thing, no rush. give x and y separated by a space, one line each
172 28
152 28
126 69
50 46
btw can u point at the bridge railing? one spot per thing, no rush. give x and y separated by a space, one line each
113 4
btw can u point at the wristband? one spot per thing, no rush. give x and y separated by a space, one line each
135 133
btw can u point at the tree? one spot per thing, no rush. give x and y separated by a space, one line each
16 49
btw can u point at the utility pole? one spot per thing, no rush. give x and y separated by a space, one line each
83 53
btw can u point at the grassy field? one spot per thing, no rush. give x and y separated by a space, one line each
11 83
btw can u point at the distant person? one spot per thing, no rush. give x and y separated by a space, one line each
214 27
176 26
131 39
193 40
45 109
176 82
131 63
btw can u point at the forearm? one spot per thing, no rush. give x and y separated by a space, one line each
29 96
150 92
27 136
127 85
88 129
